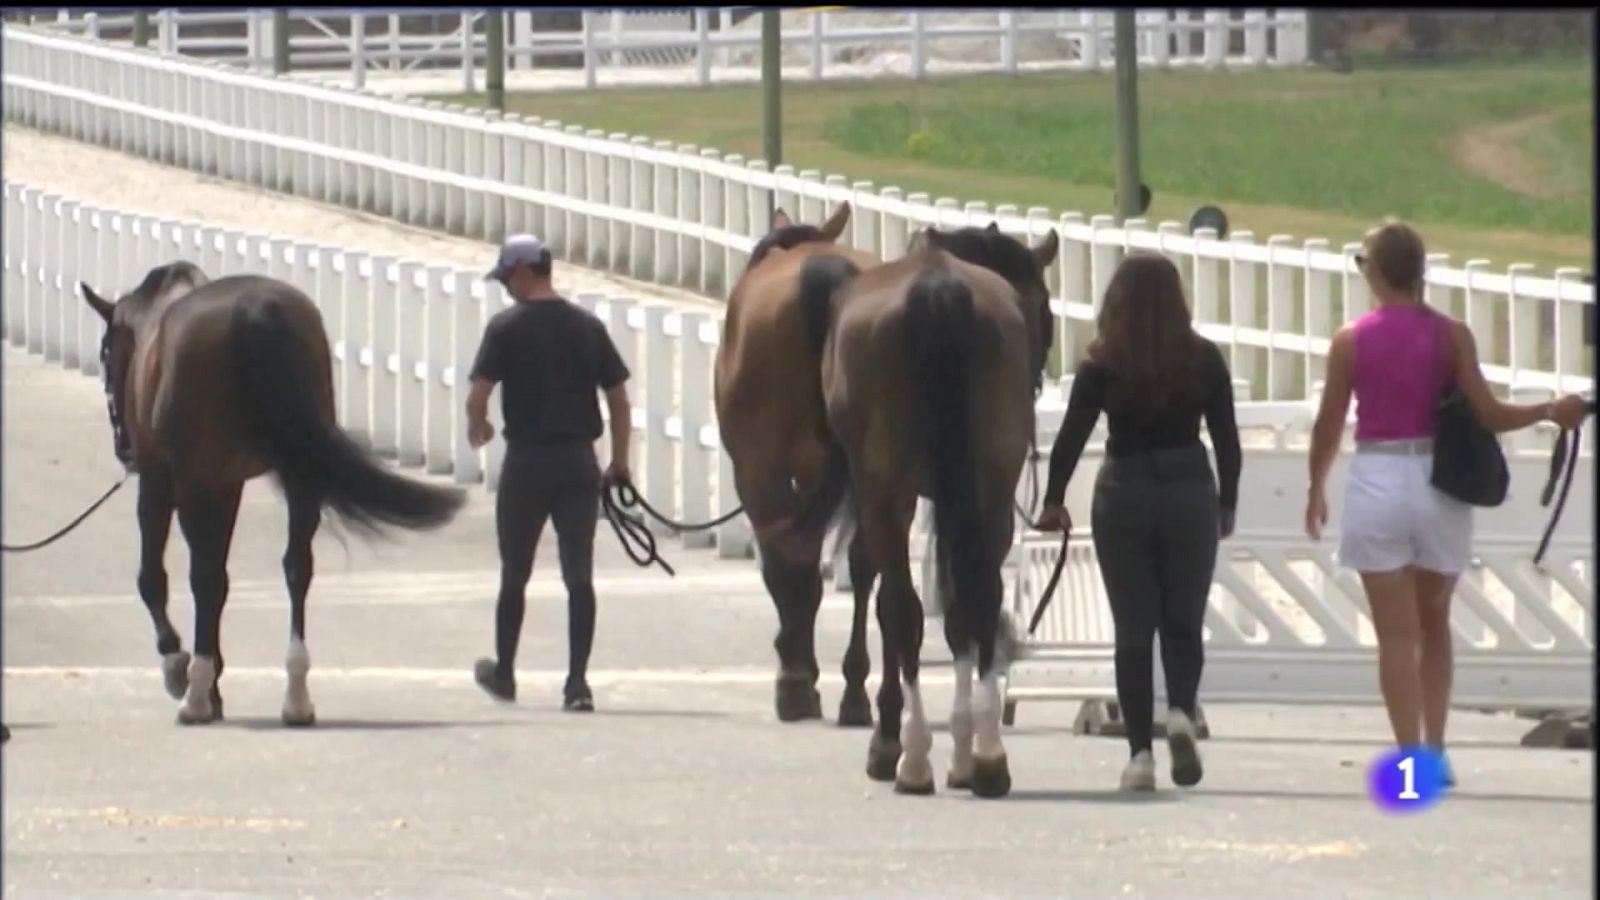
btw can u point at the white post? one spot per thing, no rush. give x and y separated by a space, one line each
410 301
438 411
702 47
665 205
358 49
1282 365
1525 318
1216 38
819 25
696 334
467 328
355 390
1242 307
649 323
589 78
714 280
1008 41
1089 44
1318 310
1568 327
1255 37
469 82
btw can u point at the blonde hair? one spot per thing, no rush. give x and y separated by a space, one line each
1395 253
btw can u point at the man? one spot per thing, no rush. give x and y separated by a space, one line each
549 356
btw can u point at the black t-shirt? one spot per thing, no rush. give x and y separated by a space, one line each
549 357
1166 430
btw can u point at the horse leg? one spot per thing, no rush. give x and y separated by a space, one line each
855 708
900 617
305 516
797 591
156 505
207 518
961 718
991 775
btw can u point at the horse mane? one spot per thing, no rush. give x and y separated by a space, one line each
160 281
786 238
992 249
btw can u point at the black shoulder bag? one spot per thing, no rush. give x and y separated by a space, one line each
1468 463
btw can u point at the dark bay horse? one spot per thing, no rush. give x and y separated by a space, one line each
930 369
210 384
770 412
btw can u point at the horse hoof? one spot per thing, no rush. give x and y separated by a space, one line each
797 700
295 719
185 717
958 781
855 710
882 759
991 778
175 673
913 788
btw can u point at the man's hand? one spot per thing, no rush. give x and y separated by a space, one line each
1054 517
480 433
618 473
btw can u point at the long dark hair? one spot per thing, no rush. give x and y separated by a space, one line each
1146 338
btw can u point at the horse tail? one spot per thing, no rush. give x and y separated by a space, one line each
311 455
820 277
940 332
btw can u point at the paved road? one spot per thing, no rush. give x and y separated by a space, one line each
415 785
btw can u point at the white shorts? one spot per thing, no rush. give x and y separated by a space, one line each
1393 517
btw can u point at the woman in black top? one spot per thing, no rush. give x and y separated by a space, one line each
1158 512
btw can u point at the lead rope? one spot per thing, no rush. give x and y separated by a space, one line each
40 545
620 496
1049 591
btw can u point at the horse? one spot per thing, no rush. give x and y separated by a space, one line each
930 367
212 383
770 412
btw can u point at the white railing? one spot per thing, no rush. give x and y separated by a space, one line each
402 332
704 46
685 216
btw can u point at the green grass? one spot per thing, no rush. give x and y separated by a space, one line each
1309 154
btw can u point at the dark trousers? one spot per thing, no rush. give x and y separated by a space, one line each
1154 520
560 483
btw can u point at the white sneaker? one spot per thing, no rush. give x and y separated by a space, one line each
1140 773
1184 746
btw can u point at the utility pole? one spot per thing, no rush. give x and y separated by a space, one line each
1128 184
495 65
772 96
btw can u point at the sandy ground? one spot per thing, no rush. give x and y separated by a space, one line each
96 175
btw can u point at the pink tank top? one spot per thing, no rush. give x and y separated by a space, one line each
1402 364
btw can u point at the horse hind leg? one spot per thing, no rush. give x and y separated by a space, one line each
207 518
960 776
305 517
991 774
900 617
156 506
855 707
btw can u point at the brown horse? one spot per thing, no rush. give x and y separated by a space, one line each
210 384
770 412
930 369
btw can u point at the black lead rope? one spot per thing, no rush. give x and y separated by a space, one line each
40 545
618 497
1049 592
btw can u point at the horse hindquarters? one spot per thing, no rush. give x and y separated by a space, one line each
282 393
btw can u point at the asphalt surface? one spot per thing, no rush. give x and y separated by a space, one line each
414 784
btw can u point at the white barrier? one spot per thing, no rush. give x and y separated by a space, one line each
685 217
705 46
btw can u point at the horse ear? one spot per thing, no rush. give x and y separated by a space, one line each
96 302
781 220
1045 253
933 236
994 227
834 227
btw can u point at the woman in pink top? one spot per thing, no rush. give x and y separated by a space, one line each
1408 541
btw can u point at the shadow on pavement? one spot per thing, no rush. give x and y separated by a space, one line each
1457 796
275 724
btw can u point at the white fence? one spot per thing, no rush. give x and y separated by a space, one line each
685 216
1284 624
704 46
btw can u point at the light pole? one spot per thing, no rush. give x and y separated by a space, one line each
772 96
1128 185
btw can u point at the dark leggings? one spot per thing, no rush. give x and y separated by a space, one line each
1154 520
559 482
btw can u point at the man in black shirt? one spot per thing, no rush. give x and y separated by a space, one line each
549 356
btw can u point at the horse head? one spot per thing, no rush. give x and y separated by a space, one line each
127 319
1022 267
786 234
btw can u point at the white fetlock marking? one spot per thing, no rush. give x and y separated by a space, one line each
297 699
202 677
986 712
916 740
961 728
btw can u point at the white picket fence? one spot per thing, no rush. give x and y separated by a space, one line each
685 216
704 46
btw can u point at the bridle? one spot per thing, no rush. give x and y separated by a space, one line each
119 431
